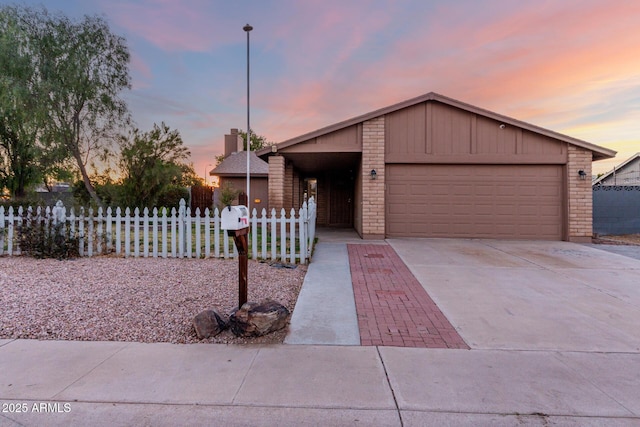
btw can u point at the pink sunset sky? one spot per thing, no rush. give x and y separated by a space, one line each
572 66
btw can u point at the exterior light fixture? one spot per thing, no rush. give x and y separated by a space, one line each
582 174
373 174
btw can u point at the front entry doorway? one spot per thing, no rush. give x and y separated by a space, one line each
341 195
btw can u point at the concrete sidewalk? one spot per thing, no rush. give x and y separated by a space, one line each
113 384
325 311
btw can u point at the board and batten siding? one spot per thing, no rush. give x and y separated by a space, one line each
431 132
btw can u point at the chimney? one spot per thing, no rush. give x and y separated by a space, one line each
231 143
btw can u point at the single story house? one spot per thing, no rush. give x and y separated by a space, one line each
627 173
233 171
616 199
433 166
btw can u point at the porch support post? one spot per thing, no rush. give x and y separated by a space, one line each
373 203
276 183
580 195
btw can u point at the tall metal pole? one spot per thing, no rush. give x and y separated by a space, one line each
242 242
247 28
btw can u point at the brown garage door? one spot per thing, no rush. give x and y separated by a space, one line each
475 201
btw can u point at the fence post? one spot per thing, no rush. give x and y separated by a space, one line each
311 225
155 232
136 232
302 221
207 233
19 221
216 233
283 235
225 245
292 235
188 235
181 228
127 232
254 235
274 235
10 227
81 232
2 230
99 221
108 229
263 233
174 232
198 234
90 233
145 232
58 213
118 231
164 232
72 222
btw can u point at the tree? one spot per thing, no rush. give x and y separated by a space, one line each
228 194
257 141
83 66
20 110
153 166
63 78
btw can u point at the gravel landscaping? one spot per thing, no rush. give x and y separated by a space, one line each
132 299
623 239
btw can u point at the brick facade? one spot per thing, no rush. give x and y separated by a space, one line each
288 186
579 195
373 208
276 182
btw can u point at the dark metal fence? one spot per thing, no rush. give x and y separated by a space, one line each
616 209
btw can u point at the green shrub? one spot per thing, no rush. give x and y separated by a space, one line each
40 237
228 194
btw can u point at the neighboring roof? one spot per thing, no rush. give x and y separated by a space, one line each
599 153
616 169
236 165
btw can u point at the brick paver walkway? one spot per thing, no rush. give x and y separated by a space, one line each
393 308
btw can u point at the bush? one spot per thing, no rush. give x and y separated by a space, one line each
228 195
40 237
171 197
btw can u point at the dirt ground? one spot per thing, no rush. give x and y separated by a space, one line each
623 239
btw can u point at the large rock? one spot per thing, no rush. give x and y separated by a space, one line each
256 319
209 323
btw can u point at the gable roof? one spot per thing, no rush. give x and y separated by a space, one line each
617 169
236 165
599 153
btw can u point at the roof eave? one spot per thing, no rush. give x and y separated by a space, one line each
240 175
599 153
616 168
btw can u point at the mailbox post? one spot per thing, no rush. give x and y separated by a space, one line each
235 219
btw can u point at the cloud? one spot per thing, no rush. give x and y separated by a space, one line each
142 74
171 25
570 66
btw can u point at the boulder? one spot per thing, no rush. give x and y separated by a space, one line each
256 319
209 323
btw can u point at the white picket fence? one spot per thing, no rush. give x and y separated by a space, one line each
177 235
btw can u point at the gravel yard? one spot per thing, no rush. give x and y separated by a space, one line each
131 299
623 239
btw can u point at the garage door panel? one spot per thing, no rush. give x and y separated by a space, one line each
505 201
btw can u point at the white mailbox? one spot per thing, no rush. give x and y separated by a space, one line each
234 218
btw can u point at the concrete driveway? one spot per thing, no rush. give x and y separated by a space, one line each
530 295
